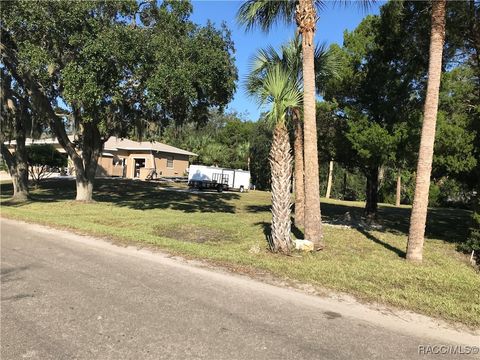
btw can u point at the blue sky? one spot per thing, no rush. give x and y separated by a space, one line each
333 21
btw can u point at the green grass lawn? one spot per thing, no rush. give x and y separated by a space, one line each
229 229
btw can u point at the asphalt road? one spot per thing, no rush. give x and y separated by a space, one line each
64 296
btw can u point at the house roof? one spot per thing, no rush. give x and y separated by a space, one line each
114 143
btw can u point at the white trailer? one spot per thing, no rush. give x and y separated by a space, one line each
212 177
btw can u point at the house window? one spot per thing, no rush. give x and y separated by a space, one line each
118 161
170 162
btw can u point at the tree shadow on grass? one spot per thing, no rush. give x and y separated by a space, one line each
258 208
6 189
141 195
138 195
297 232
49 190
450 225
376 240
267 231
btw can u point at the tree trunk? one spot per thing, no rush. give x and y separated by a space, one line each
344 184
298 171
17 164
20 189
381 175
371 205
85 173
306 19
21 192
425 156
85 178
330 179
281 168
84 189
398 197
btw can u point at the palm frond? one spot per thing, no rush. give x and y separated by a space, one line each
282 92
327 66
363 5
320 5
260 64
264 58
265 13
289 59
292 55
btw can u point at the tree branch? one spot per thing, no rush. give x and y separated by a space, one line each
7 156
41 100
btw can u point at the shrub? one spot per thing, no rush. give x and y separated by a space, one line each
43 159
473 239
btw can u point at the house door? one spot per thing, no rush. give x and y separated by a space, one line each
139 163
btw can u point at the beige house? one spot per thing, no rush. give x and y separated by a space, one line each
134 159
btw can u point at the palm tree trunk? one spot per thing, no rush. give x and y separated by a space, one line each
281 168
306 19
298 171
399 190
425 156
330 179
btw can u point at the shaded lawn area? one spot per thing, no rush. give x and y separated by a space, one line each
228 229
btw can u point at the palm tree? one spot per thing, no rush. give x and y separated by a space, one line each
289 58
265 13
278 88
425 155
243 153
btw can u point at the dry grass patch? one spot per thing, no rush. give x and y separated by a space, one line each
192 233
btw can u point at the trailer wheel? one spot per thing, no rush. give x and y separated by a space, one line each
220 188
242 189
